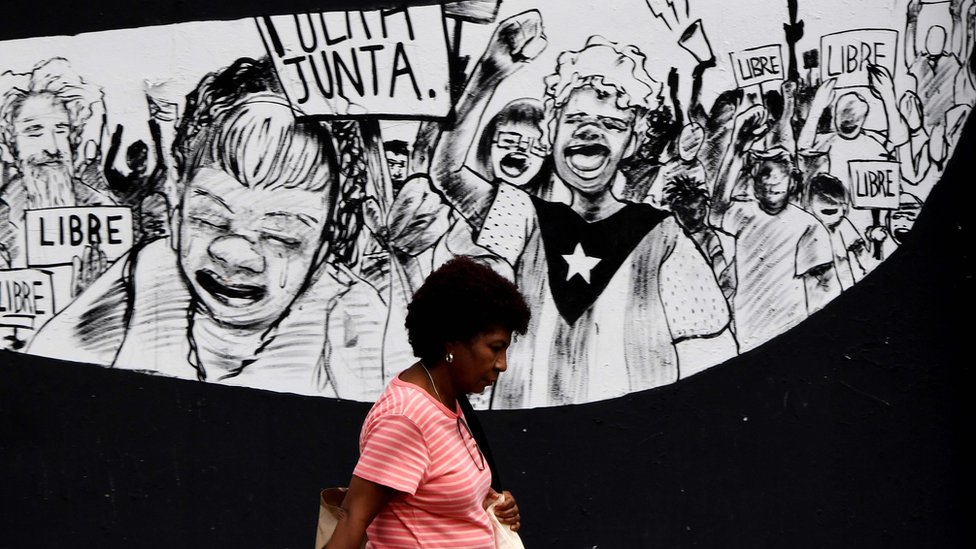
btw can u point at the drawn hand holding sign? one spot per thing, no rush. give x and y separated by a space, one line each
847 56
823 99
882 86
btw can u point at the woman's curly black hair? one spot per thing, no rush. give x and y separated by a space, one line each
459 301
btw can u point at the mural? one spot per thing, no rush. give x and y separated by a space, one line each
670 182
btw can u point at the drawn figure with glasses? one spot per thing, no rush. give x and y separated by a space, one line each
512 150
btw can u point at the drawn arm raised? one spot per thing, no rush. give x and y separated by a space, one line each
516 41
883 87
159 172
911 28
748 127
114 177
782 131
914 166
824 98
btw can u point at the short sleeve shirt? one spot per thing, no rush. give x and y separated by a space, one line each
772 255
686 275
413 444
510 222
846 241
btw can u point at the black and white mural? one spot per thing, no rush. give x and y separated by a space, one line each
670 182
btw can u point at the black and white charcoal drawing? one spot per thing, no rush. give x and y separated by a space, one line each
670 182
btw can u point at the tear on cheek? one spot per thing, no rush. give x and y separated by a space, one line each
283 278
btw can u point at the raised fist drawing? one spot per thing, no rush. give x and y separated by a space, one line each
517 40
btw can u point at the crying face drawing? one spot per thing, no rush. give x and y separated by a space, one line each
253 216
247 251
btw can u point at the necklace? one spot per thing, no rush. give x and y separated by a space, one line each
479 460
432 384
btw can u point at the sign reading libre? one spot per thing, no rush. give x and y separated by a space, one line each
758 65
877 184
381 63
56 235
26 298
846 55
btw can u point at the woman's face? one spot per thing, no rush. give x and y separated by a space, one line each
479 361
517 152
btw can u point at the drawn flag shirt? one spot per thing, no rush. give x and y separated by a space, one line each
610 299
412 443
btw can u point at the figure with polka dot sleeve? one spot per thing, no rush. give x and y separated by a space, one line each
622 298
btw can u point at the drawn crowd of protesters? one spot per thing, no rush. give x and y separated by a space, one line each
651 241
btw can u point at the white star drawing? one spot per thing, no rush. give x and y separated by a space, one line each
580 264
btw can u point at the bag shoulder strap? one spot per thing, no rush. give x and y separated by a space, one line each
481 439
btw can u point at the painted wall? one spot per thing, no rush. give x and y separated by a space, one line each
666 191
846 431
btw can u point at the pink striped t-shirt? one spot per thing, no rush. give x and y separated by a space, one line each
410 442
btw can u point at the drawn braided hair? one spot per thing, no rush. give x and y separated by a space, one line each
347 222
207 135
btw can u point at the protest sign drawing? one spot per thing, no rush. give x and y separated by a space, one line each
57 235
26 298
877 184
756 66
389 63
847 55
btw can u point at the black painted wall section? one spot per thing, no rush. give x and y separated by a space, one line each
23 19
849 431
